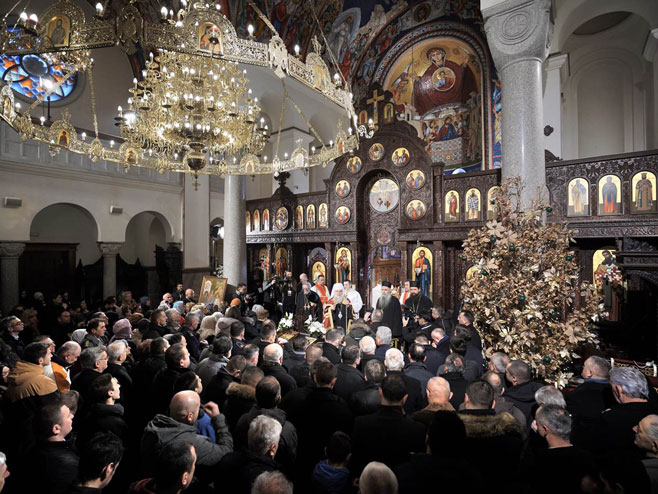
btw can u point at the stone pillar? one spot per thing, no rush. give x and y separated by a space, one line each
331 269
10 252
109 251
557 70
235 234
519 36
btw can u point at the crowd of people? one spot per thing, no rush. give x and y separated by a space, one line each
135 397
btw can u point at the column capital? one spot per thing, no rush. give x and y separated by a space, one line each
11 249
518 30
109 248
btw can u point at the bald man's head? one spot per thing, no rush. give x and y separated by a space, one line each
438 390
184 407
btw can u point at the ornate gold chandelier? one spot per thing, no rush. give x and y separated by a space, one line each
198 108
191 110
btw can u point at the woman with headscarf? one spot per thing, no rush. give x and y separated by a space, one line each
122 330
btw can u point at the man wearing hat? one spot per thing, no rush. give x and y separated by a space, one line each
392 311
416 304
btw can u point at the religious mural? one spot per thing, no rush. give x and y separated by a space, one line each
451 206
400 157
256 221
343 189
609 195
473 205
415 209
212 290
323 216
643 187
354 165
415 179
343 264
266 220
264 261
492 205
310 216
421 261
63 138
281 220
299 217
384 195
59 31
342 215
437 83
376 152
281 261
247 219
578 197
608 278
210 38
318 269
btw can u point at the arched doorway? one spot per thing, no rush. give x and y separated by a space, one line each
62 236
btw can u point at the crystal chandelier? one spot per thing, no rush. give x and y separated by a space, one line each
198 108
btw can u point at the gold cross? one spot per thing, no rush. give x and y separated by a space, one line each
373 101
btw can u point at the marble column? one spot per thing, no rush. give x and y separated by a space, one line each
519 36
235 234
196 223
10 252
109 250
557 70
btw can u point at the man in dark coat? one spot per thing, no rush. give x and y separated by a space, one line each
158 326
268 397
487 431
454 374
103 413
188 330
392 313
416 398
589 400
117 352
416 366
416 308
630 389
349 379
294 353
238 470
177 359
323 414
93 362
367 400
522 392
10 331
218 385
240 398
272 360
331 346
387 435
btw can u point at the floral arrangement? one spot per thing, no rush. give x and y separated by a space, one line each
314 328
286 323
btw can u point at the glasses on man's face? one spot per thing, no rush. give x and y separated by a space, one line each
19 323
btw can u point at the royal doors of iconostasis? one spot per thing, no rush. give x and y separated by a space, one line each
385 189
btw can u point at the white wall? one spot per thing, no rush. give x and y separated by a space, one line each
143 233
65 223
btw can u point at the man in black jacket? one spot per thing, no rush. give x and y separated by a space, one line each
522 391
103 413
93 362
416 366
52 458
177 359
394 363
158 326
219 383
589 400
117 353
10 329
331 346
367 401
268 397
454 374
349 379
272 360
387 436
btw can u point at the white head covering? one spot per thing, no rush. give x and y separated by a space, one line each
335 288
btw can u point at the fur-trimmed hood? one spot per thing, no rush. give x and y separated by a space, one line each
241 391
480 425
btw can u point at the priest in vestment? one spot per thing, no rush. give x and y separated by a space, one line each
340 306
353 296
416 304
390 306
644 191
404 293
321 289
308 303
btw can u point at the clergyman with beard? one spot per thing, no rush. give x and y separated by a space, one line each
308 302
390 305
415 304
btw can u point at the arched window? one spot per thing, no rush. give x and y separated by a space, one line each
32 76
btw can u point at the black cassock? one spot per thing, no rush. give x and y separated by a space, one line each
303 304
392 316
340 314
414 305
